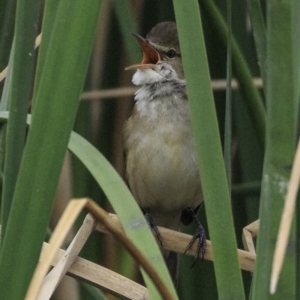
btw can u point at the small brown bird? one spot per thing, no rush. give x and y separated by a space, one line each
161 159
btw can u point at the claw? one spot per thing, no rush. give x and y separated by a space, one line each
200 235
153 226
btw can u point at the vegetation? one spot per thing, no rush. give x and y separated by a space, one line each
75 81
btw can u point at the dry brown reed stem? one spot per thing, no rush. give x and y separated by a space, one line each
109 223
101 277
103 217
177 242
64 225
55 276
217 85
249 232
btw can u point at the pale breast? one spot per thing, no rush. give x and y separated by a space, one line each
161 154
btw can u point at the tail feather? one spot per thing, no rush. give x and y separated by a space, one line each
172 262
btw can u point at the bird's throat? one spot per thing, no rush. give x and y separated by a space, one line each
146 76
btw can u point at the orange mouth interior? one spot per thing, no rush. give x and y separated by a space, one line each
150 56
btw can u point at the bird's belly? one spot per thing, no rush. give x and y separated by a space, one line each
162 172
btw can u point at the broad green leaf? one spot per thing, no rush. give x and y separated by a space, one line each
211 163
123 204
260 34
47 26
18 98
129 213
280 148
240 70
54 110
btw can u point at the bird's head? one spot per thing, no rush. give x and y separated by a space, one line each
161 55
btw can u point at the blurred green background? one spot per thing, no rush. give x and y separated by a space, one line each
106 103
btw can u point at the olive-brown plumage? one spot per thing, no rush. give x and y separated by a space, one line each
161 160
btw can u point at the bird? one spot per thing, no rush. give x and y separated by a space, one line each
159 145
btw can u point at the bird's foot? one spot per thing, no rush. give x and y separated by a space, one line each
200 235
153 226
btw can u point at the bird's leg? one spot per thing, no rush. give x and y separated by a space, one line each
200 235
152 225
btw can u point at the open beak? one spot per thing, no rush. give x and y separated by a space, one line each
150 56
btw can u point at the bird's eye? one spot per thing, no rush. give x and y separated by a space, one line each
171 53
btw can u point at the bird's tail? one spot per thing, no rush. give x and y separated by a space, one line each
172 262
170 220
